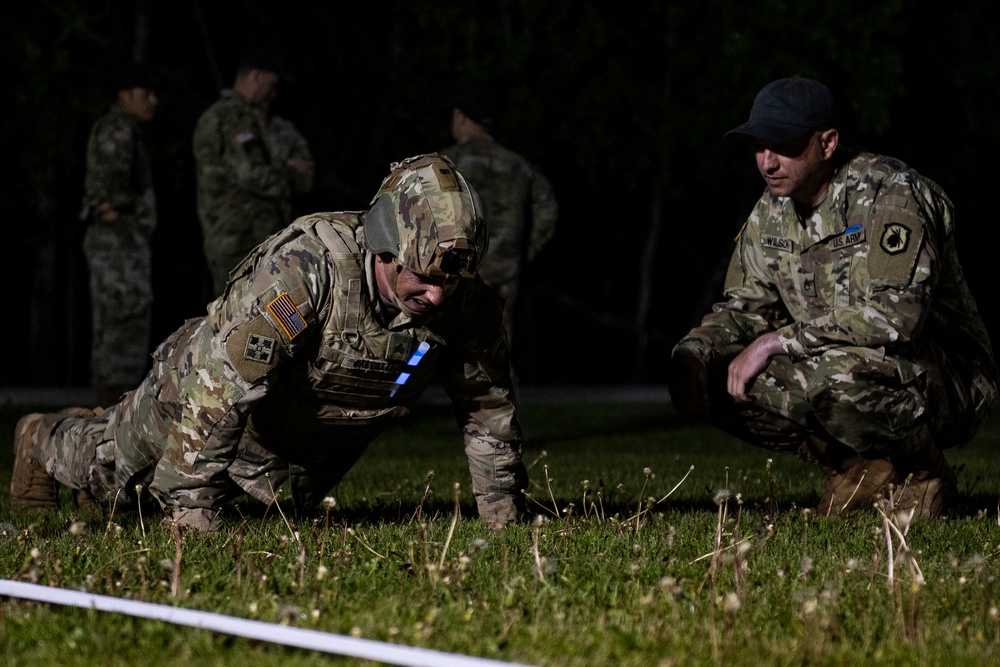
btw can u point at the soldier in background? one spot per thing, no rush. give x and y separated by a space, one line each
521 209
848 333
323 338
119 208
249 165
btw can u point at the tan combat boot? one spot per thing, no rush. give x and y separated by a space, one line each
930 483
30 486
852 482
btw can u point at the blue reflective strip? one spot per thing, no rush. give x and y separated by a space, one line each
413 361
852 228
419 354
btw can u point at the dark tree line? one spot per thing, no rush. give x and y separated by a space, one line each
622 105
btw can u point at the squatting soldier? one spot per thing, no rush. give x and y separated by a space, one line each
323 337
848 333
249 165
119 208
521 208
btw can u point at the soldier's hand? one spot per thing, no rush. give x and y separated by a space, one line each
105 212
301 165
688 383
750 362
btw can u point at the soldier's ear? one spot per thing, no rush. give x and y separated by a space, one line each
829 140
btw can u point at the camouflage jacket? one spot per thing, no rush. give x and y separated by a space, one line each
244 187
874 265
118 173
294 366
521 208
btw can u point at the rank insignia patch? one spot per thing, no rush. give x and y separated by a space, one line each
287 315
895 238
259 348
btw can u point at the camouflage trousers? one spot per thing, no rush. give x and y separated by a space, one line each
860 397
121 300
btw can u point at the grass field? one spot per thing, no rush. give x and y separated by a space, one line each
622 567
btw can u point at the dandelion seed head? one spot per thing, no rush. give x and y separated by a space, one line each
329 503
35 553
721 496
647 472
731 603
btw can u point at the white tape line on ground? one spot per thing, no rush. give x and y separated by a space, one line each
368 649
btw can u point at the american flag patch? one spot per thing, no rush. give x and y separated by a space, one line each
287 315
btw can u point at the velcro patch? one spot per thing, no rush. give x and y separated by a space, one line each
900 238
287 315
253 349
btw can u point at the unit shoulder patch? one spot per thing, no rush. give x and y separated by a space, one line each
895 238
253 349
900 238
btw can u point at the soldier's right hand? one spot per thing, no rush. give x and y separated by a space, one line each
105 212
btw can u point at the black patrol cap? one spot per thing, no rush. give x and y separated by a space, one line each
265 59
134 76
786 109
478 105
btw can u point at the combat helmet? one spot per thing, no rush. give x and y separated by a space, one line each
429 217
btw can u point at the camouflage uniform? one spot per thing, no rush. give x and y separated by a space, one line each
245 188
118 253
293 371
883 341
521 211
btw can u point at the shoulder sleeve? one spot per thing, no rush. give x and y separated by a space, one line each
263 320
892 289
476 375
111 154
273 309
752 306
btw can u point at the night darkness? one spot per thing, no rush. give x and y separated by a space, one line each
624 111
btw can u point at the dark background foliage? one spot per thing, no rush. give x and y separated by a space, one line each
622 105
